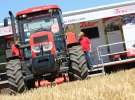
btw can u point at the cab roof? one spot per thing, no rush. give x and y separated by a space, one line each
37 9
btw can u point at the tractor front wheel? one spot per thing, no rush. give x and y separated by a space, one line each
15 77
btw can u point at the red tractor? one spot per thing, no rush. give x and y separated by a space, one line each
42 51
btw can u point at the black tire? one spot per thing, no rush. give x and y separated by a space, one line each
15 77
78 69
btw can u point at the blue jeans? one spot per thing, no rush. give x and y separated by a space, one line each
89 59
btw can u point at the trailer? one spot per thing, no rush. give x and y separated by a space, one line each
111 29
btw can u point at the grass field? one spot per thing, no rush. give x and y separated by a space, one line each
117 86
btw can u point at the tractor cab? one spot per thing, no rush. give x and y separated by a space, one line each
41 20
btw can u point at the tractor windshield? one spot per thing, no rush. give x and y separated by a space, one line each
37 22
38 25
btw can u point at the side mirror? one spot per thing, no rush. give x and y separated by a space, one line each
6 21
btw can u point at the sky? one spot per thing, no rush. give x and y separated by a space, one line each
65 5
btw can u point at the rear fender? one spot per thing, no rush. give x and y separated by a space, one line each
16 52
12 58
72 39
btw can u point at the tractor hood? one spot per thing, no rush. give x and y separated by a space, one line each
41 42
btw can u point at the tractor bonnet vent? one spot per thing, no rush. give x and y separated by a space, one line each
41 39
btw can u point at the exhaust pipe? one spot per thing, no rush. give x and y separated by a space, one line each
12 18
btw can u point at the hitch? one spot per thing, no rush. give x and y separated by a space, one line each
57 81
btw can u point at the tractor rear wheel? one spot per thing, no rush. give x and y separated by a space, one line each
78 69
15 77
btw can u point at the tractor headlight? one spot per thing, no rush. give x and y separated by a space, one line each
47 46
36 49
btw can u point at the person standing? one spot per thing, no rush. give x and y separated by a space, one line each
86 46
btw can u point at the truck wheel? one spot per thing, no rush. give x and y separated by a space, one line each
78 69
15 77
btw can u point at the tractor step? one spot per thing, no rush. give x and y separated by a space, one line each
3 84
96 71
3 76
3 81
